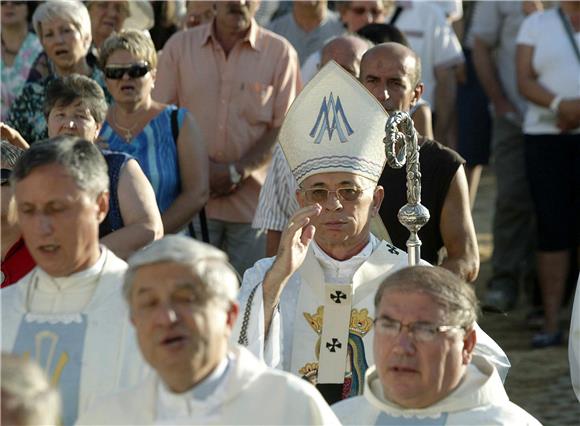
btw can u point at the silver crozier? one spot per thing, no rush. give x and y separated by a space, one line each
401 147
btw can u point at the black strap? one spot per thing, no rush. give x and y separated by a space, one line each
202 216
395 16
570 32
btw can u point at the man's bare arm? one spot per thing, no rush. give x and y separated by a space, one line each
458 231
487 73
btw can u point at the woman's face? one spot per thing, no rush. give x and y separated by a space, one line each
106 17
132 86
63 43
74 119
14 12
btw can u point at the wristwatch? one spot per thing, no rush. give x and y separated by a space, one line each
555 104
235 176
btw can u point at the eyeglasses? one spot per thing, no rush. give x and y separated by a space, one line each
116 72
361 10
5 177
320 195
420 331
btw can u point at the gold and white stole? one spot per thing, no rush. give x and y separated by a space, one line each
327 312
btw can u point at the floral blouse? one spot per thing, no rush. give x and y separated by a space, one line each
27 115
14 76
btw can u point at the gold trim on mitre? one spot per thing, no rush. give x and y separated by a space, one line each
334 125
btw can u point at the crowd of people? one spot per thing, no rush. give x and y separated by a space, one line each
199 225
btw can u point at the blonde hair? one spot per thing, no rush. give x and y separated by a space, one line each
138 43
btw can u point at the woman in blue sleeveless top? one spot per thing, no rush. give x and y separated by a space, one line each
75 105
164 139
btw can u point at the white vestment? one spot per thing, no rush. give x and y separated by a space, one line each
299 341
574 343
480 399
77 328
250 393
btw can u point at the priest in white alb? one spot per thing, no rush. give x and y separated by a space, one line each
309 310
426 371
68 312
182 299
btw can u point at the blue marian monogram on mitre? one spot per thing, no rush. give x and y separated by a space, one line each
339 120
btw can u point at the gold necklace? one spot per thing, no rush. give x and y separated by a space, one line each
128 131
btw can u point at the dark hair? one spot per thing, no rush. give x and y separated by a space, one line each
63 91
81 159
10 154
455 296
383 33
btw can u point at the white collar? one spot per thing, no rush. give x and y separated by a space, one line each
171 404
88 276
342 271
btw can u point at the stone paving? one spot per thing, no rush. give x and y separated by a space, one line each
539 380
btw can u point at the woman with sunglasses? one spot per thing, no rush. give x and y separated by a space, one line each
64 30
164 139
19 49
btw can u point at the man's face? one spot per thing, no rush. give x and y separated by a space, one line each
417 374
388 76
361 13
74 119
235 16
181 328
59 221
342 223
7 199
198 12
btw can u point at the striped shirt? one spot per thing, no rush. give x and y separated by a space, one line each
277 200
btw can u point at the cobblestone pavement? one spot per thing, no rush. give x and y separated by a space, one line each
539 379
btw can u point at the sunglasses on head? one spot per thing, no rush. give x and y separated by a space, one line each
116 72
5 177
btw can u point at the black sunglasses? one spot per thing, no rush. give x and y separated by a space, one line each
115 72
5 177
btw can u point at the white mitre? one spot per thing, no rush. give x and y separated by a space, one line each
334 125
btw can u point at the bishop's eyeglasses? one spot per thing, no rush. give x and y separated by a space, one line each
320 195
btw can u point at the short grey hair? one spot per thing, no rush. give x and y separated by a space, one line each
9 154
27 396
81 159
456 297
69 10
208 263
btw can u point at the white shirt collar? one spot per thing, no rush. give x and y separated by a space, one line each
342 271
86 277
171 405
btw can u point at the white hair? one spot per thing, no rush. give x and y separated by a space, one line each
208 263
69 10
27 396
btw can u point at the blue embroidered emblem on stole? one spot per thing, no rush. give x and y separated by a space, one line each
58 348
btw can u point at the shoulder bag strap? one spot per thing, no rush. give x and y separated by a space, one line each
569 32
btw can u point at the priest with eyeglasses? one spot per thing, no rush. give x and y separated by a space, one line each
308 310
426 371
